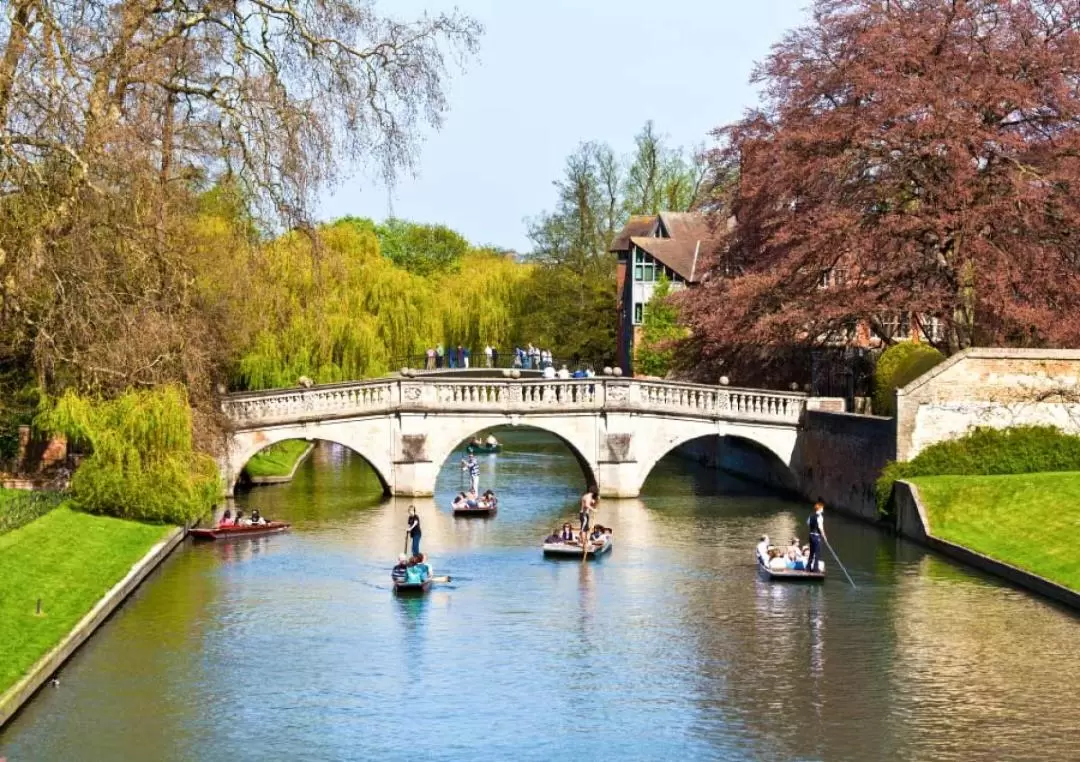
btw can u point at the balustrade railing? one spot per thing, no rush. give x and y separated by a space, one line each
617 394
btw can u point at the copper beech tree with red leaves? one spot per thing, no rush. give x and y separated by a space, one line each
910 156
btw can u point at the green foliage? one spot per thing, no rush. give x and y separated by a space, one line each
421 249
660 330
278 459
987 451
898 366
19 507
142 463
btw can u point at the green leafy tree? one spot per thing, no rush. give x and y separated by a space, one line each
660 332
660 178
421 249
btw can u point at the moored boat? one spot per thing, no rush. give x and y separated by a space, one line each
483 449
574 549
228 532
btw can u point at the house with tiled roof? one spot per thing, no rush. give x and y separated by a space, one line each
671 245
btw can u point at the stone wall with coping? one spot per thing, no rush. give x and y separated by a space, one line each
839 456
989 387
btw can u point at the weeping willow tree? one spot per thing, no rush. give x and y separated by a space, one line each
142 463
333 308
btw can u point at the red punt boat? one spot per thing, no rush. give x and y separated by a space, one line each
225 533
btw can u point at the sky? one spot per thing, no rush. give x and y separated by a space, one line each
552 74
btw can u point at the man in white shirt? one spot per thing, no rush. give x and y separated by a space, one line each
763 549
487 354
549 371
563 372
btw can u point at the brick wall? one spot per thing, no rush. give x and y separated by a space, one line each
989 387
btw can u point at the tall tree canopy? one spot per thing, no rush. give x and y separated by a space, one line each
115 113
920 156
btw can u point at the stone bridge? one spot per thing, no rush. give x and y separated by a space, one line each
618 428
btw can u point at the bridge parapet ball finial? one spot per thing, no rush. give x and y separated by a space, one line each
607 370
724 380
405 372
794 386
507 373
617 371
515 373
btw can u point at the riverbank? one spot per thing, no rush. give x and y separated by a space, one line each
1029 521
277 464
69 561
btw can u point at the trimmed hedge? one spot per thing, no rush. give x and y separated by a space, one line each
985 451
897 367
19 507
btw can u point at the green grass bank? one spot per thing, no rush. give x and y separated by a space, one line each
277 460
69 560
1031 521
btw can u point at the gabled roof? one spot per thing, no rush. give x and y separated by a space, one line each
678 255
637 225
685 225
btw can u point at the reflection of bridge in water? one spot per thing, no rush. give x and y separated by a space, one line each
617 428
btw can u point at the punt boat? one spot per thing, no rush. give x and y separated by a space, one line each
480 511
483 449
226 533
574 550
789 575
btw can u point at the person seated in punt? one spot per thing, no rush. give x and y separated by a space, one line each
460 502
242 520
597 534
226 519
470 500
777 562
553 538
416 572
489 500
567 534
256 519
491 441
398 572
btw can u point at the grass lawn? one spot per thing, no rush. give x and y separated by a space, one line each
1031 521
277 459
69 560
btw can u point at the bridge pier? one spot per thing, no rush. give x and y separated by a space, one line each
620 480
414 479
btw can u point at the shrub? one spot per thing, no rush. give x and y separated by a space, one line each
897 367
20 507
142 464
986 451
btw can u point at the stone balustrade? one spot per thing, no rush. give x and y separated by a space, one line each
385 396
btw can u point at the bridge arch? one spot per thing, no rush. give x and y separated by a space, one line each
762 453
578 439
247 445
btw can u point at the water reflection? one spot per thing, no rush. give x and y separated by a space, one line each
670 645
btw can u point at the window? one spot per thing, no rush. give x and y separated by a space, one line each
933 329
896 326
644 267
639 313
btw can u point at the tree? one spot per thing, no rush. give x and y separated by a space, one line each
115 114
573 288
660 330
915 157
421 249
661 179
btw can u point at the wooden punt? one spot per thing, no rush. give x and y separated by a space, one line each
413 588
476 513
483 449
789 575
227 533
573 550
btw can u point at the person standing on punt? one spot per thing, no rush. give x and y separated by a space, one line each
472 465
588 505
414 530
816 523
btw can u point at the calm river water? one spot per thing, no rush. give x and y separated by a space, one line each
293 646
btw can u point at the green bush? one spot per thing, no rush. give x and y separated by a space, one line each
20 507
986 451
897 367
142 464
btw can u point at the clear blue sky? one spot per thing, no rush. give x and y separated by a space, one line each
554 73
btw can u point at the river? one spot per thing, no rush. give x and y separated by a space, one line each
294 647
